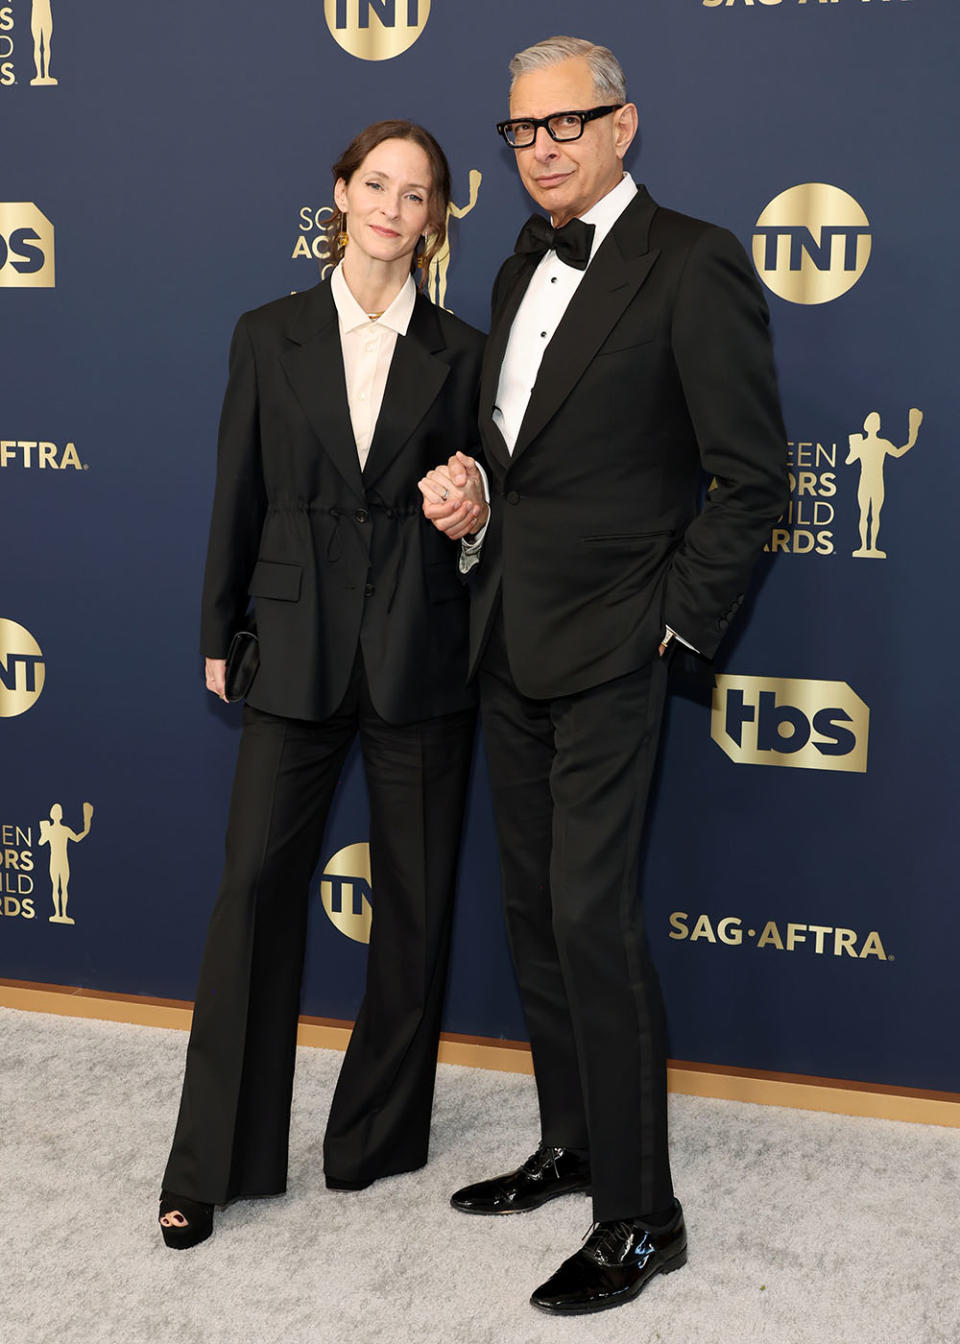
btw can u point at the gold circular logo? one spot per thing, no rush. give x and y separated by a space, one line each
376 30
22 669
811 243
345 892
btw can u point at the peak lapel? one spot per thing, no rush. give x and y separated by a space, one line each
515 282
313 363
620 267
609 285
413 384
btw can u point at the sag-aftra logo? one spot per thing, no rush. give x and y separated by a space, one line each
772 4
819 940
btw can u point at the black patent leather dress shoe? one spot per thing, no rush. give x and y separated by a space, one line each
614 1264
550 1172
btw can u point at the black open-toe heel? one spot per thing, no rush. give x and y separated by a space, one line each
199 1222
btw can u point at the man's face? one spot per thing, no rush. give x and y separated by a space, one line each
566 179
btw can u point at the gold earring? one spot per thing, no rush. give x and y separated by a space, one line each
342 239
422 263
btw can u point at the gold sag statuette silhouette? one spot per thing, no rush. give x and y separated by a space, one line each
345 892
871 451
439 267
41 26
322 246
58 836
376 30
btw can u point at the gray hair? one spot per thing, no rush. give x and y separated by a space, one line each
608 78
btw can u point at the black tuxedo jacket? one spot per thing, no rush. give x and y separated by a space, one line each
660 370
334 557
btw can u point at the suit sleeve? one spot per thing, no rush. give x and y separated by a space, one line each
239 503
722 349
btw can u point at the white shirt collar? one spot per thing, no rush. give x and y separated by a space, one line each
396 317
608 210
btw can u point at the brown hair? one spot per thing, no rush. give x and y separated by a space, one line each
354 155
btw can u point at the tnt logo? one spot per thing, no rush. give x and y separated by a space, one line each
811 243
376 30
22 670
813 725
26 247
345 892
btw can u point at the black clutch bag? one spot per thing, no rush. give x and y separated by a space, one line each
243 661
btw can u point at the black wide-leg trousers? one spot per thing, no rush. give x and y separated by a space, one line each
232 1132
570 779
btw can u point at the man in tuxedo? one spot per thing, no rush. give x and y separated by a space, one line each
629 359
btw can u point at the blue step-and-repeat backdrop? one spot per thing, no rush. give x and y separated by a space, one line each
165 167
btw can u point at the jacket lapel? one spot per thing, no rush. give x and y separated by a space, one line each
613 277
516 278
313 363
413 384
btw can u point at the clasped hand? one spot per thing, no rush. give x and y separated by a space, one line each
453 497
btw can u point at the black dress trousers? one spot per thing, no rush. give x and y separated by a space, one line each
570 779
232 1133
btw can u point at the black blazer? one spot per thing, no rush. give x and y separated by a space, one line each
660 370
331 556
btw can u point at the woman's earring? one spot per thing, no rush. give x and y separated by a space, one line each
343 237
422 262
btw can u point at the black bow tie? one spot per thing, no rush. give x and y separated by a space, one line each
572 243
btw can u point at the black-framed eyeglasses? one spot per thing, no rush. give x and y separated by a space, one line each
560 126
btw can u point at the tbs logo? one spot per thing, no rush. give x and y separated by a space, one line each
26 247
812 725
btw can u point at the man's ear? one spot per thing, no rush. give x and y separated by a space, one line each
626 123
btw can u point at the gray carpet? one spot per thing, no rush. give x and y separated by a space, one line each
803 1227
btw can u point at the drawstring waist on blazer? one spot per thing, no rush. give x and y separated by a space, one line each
359 515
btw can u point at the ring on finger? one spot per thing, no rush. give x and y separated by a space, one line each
443 494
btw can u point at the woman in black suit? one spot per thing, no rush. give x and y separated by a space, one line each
339 400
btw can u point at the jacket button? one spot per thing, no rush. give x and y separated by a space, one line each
513 497
369 590
361 516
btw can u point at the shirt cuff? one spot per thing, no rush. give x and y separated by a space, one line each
672 634
470 550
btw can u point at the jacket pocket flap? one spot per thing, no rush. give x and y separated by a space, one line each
628 334
272 578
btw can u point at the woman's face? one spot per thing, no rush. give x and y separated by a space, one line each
387 200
